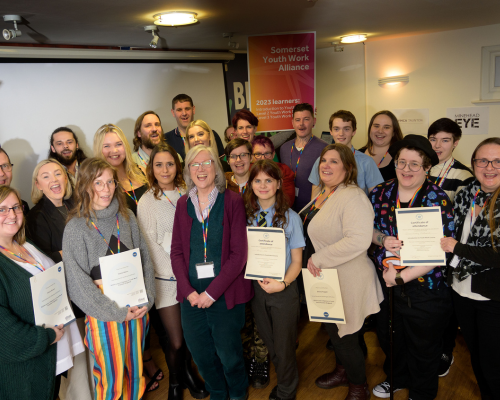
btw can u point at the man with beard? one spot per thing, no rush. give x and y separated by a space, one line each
65 149
147 134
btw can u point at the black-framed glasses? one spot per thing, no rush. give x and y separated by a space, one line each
4 211
414 166
6 167
483 163
100 185
242 156
263 155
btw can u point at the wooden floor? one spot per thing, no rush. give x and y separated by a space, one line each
314 360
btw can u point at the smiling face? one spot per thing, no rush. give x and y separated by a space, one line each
113 149
245 130
12 222
342 131
382 131
197 135
183 114
262 153
407 178
265 188
331 169
64 144
52 181
239 160
164 170
150 132
204 176
102 199
443 144
303 123
488 177
5 177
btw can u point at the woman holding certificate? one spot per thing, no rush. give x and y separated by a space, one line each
276 303
339 222
155 214
27 349
208 255
474 272
422 303
100 228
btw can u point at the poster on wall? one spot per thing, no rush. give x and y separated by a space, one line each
413 120
281 74
236 76
472 120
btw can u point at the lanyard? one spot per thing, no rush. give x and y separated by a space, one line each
205 230
142 159
173 205
241 189
398 204
474 205
182 137
38 266
300 155
443 178
383 158
134 197
316 199
117 229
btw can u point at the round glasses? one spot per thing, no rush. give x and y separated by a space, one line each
413 166
100 185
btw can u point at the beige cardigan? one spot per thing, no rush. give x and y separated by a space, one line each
341 233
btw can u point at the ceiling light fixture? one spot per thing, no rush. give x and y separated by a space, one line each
153 29
11 33
353 38
175 18
394 80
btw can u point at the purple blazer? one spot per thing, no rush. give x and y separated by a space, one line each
230 281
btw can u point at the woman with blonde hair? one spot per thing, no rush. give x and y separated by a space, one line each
111 145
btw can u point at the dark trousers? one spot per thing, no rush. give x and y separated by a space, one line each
450 333
213 337
480 325
418 326
348 353
277 316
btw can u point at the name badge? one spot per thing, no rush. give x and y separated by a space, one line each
296 192
205 270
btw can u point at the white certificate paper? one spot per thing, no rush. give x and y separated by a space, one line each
50 297
266 253
324 300
421 229
122 278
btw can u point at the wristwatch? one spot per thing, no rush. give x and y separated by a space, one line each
399 279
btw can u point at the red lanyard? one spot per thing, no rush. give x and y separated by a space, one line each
37 265
117 229
171 200
300 155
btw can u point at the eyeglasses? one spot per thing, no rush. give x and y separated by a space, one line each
4 211
6 167
414 167
483 163
263 155
242 156
196 165
100 185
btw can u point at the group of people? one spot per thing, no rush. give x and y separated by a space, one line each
185 202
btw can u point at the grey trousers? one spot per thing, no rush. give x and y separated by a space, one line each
277 316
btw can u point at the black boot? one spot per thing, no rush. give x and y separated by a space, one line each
174 387
191 380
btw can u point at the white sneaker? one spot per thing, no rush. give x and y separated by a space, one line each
383 390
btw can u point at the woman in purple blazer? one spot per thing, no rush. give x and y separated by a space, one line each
208 254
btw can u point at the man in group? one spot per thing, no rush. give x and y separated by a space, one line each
183 111
343 128
300 153
147 134
64 148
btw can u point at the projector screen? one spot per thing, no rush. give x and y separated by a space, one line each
38 97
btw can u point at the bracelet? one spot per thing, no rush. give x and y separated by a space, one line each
383 240
284 283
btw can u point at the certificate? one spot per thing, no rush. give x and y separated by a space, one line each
324 300
266 253
122 278
421 230
50 298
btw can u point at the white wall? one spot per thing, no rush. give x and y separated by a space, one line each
444 70
38 98
340 84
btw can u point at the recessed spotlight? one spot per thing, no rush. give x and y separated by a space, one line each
11 33
353 38
175 18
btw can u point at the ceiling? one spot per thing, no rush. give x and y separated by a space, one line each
121 22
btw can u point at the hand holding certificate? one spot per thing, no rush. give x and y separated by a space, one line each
421 229
266 253
50 299
122 278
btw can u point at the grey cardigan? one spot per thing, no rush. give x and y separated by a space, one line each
82 247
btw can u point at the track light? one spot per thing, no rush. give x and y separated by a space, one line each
11 33
153 29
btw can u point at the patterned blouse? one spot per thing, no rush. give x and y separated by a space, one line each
383 199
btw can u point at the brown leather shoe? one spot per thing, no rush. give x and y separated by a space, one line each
358 392
333 379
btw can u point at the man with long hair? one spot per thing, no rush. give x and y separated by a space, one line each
147 134
64 148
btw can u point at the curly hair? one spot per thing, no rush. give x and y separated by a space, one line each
250 199
150 175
